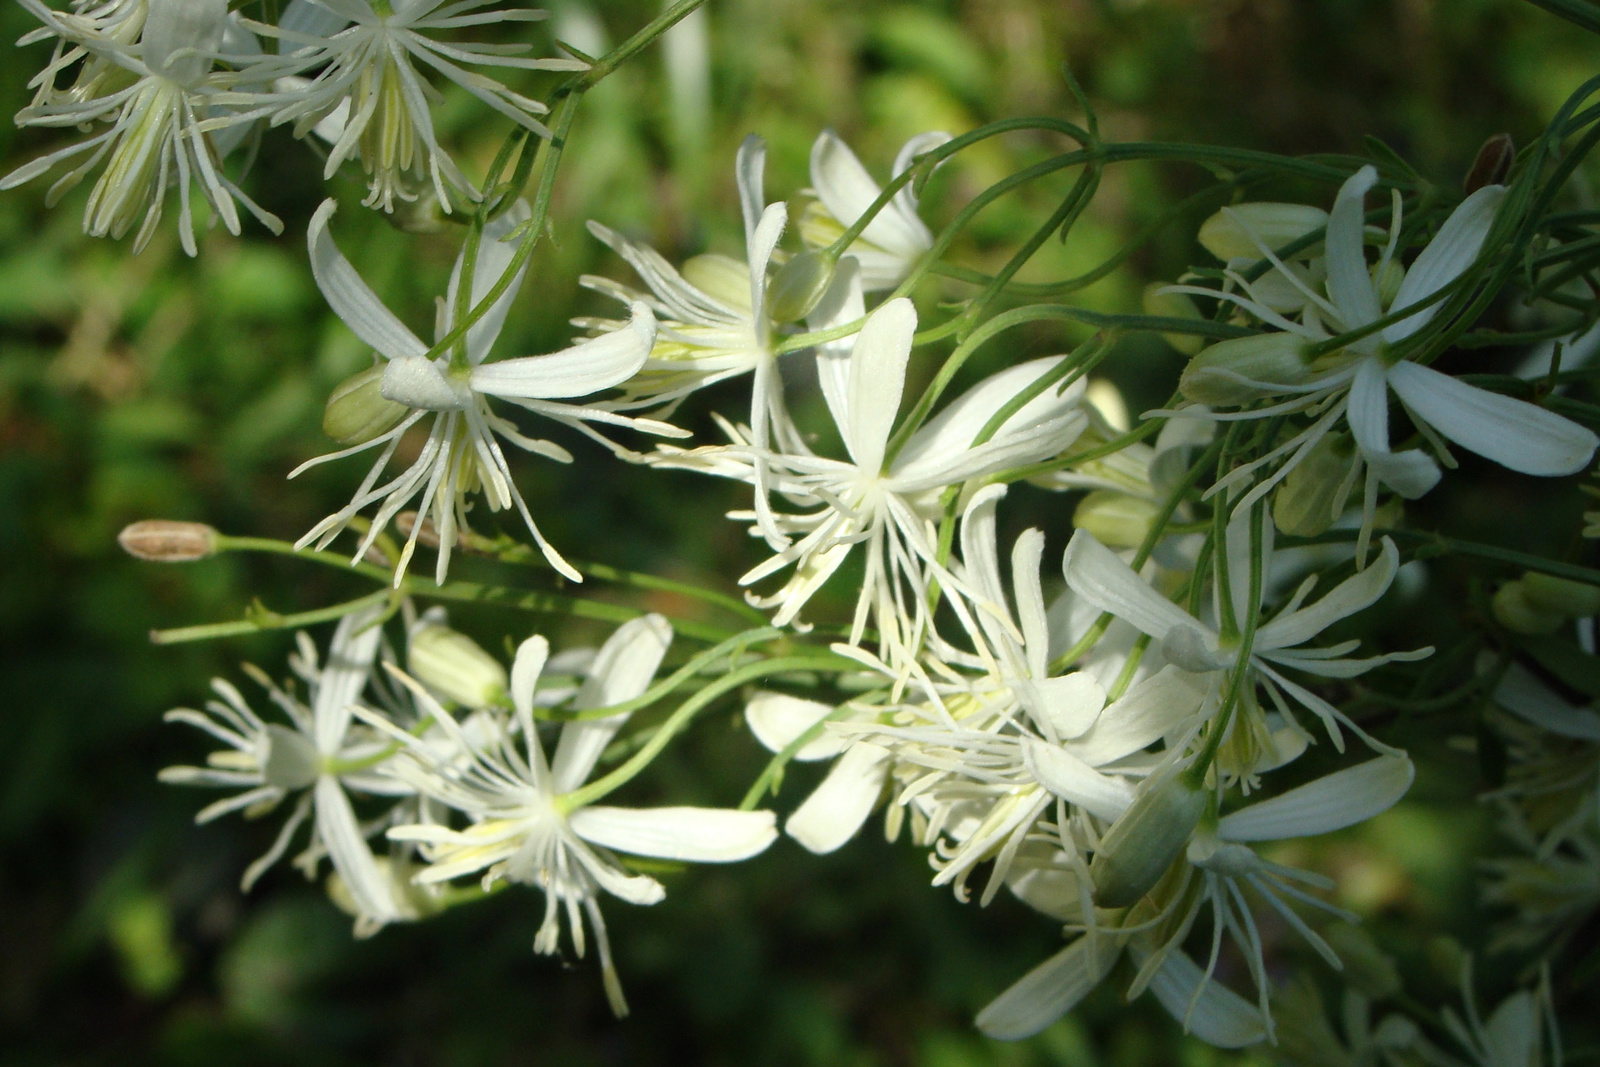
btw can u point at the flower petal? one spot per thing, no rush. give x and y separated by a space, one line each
1451 252
776 719
1330 803
1051 989
344 675
352 858
835 810
1217 1015
1149 710
1068 777
877 380
1532 701
587 367
495 254
695 835
622 670
1511 432
1097 575
1349 283
1360 591
357 306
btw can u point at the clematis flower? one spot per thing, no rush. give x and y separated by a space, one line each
889 506
895 239
1355 385
169 109
462 454
524 827
317 759
368 59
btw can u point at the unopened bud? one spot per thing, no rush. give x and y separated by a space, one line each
1242 369
1241 231
168 540
1315 491
1366 966
798 286
1117 520
1560 596
1144 841
357 410
420 214
1157 301
1386 279
1492 164
719 277
1517 612
456 667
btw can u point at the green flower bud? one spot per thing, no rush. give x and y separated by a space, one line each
1366 967
1223 374
1558 596
357 411
1387 282
168 540
719 277
798 286
1239 232
1116 519
454 666
1314 493
292 762
1173 306
1514 610
1142 844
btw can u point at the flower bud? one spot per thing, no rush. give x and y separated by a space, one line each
1517 612
357 410
1558 596
1239 232
1173 306
798 286
168 540
1117 520
1387 281
1144 841
1366 967
719 277
292 762
1314 492
454 666
1492 164
1242 369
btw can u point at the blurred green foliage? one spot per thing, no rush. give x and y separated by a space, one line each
159 386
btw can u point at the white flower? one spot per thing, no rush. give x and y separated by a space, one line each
895 239
714 325
1521 436
461 454
1102 579
369 73
317 758
524 829
169 111
888 505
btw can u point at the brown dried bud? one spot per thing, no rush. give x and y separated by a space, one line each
1493 163
168 540
406 521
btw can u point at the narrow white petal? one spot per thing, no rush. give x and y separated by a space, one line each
587 367
1450 253
1368 412
841 182
1068 777
1150 710
622 670
525 671
696 835
1330 803
776 719
1097 575
495 254
877 380
1218 1016
1360 591
1051 989
1511 432
1532 701
344 675
352 858
841 304
763 242
350 298
748 168
1349 284
835 810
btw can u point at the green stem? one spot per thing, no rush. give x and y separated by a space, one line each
258 620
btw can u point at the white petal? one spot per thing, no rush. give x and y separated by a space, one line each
841 182
1095 573
350 298
344 675
696 835
1051 989
1349 283
423 383
1511 432
1150 710
1368 413
877 380
748 167
1360 591
495 254
763 242
622 670
1073 780
835 810
776 719
525 671
1330 803
1218 1016
1450 253
1511 1036
587 367
1531 700
1070 703
841 304
341 836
